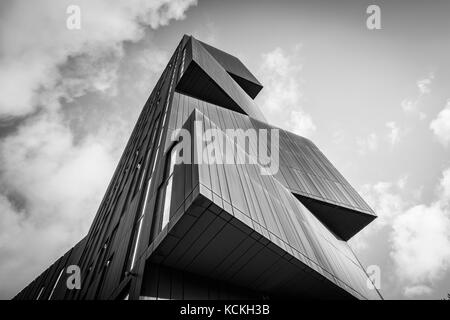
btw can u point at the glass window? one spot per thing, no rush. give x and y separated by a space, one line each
168 195
136 242
56 283
182 63
40 293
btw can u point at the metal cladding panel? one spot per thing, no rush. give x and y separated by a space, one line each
236 69
313 179
162 282
273 225
303 169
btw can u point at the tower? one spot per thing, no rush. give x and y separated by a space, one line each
206 227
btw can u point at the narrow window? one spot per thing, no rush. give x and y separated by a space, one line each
56 283
133 259
40 293
168 195
182 63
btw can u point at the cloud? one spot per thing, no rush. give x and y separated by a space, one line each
441 125
418 234
444 186
301 123
415 291
411 106
367 144
77 94
30 64
394 133
424 84
51 189
408 105
421 244
385 199
281 100
371 142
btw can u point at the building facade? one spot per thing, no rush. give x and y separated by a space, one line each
208 229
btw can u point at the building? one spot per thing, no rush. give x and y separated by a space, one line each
212 230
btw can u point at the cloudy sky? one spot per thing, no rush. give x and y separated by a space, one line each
377 103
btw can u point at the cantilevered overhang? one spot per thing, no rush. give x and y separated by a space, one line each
343 221
312 178
237 70
203 77
209 241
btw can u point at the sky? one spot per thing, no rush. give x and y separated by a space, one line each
376 102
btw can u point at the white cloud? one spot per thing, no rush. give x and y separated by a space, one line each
418 234
401 183
281 100
414 291
444 186
385 199
420 241
421 244
411 106
424 84
367 144
57 185
301 123
441 125
30 64
394 133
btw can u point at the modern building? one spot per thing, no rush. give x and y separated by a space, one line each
208 229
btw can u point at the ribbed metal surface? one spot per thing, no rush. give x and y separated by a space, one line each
303 168
270 209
